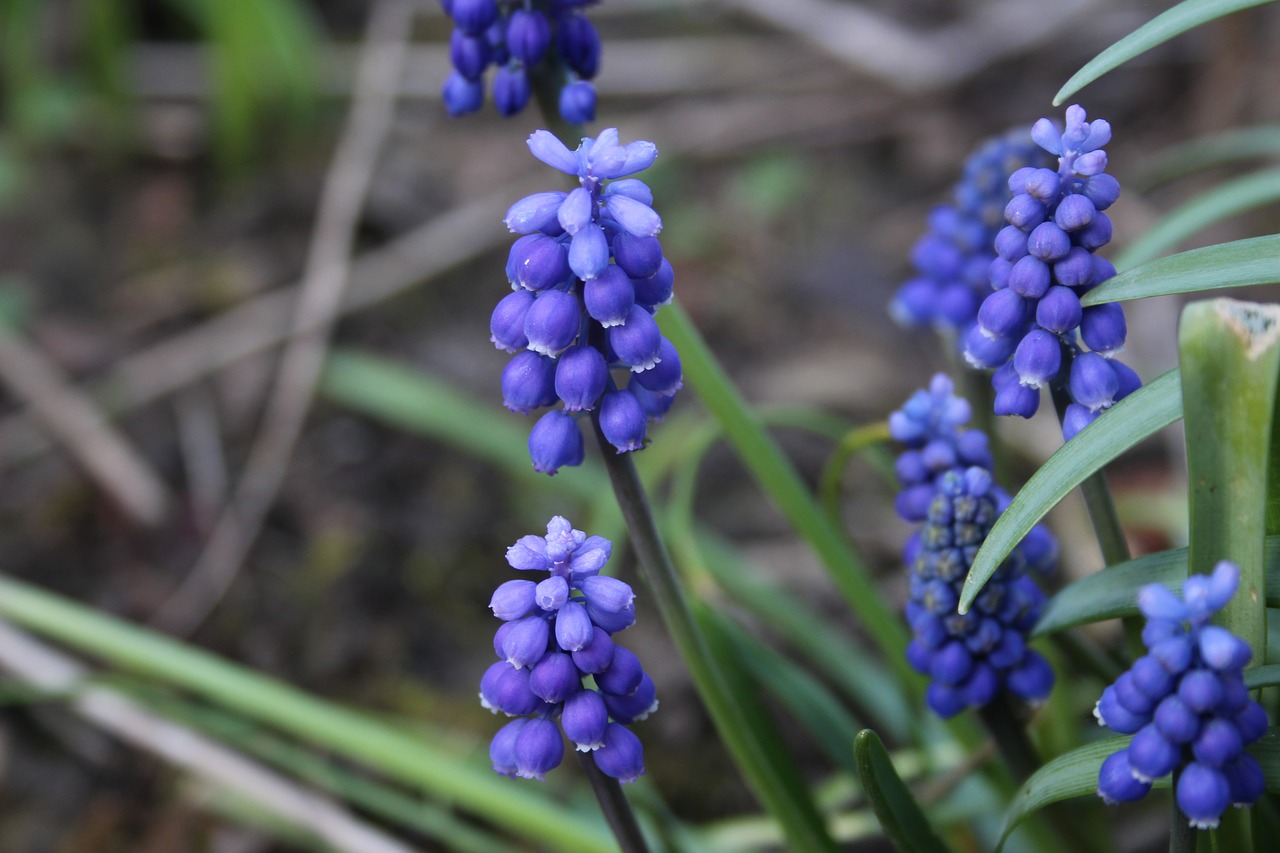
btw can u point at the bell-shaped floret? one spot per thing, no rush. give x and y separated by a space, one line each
596 655
638 256
1202 793
637 343
539 749
538 262
584 718
514 600
511 90
528 382
462 96
622 756
1030 277
1048 242
551 594
469 54
473 16
657 289
505 688
638 706
1116 783
578 42
623 420
1003 313
552 323
589 252
610 297
554 678
581 375
528 36
623 675
666 376
1059 310
577 102
1151 755
506 325
555 442
1093 384
573 626
1038 358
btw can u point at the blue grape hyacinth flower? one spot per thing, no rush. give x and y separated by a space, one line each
1186 705
521 38
1032 328
557 632
587 276
952 258
971 658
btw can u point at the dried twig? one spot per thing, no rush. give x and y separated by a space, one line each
105 454
324 281
48 669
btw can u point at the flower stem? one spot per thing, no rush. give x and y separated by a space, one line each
776 783
1010 737
1100 504
617 810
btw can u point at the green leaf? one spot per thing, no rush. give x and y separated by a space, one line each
1179 19
900 815
1238 264
1113 593
405 757
1072 774
1226 200
1229 354
412 400
830 726
778 478
1258 677
1216 150
1134 418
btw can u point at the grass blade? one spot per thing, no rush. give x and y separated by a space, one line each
1134 418
1222 202
1185 16
1242 263
900 815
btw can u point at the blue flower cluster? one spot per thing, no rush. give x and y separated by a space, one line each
518 37
1032 329
587 277
971 657
1186 705
555 633
954 255
947 484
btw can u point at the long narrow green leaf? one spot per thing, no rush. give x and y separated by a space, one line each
1134 418
1113 593
1239 264
410 399
1185 16
829 725
1229 354
1258 677
1217 150
1222 202
349 733
901 817
779 479
1072 774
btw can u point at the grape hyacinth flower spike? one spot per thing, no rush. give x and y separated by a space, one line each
1032 329
952 258
1186 705
587 276
557 631
971 658
521 40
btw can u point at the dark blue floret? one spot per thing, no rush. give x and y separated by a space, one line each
555 633
1187 704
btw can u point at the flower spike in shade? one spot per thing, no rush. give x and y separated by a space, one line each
587 276
1186 705
555 40
556 631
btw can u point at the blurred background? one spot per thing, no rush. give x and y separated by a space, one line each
163 166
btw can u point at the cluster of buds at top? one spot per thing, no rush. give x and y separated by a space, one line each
1033 329
556 636
947 484
519 36
953 257
1186 704
587 277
